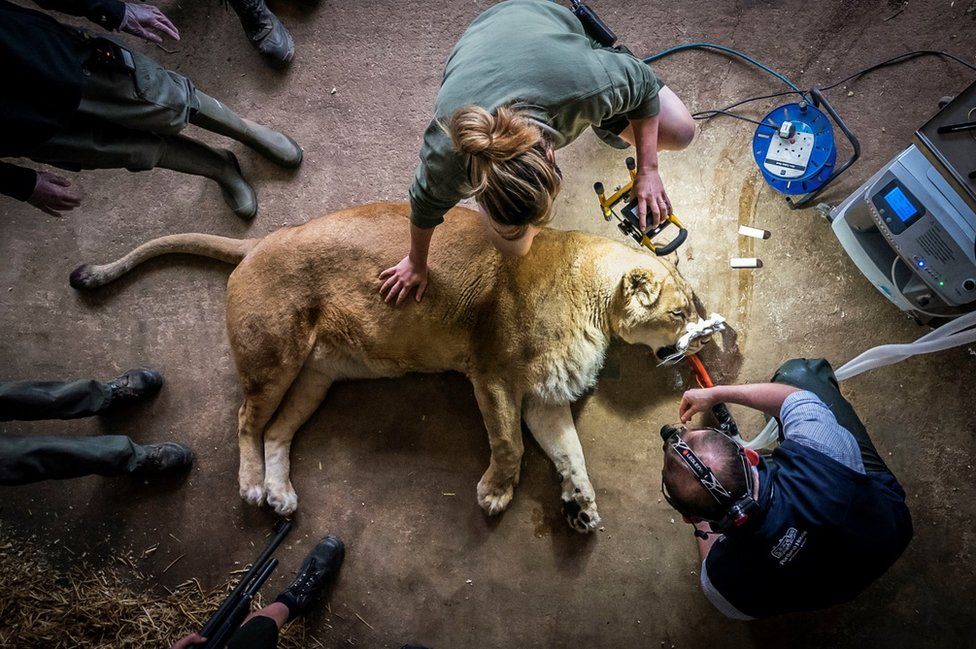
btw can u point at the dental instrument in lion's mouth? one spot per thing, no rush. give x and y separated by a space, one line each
694 331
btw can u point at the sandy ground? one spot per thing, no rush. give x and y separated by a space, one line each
391 466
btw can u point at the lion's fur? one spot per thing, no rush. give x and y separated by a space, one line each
303 310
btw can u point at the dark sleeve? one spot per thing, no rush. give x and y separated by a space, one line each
439 183
634 88
105 13
17 182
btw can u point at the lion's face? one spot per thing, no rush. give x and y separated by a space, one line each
653 306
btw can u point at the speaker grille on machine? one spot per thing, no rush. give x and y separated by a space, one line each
935 247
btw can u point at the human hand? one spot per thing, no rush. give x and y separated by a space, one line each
399 280
52 196
189 641
651 198
148 23
695 401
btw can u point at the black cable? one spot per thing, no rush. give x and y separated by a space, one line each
901 58
709 114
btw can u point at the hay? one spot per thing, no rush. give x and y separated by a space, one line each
114 606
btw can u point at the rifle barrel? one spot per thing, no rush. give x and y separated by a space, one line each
281 530
240 610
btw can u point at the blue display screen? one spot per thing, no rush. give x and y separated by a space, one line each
900 204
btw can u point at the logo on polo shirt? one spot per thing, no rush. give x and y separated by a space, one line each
788 546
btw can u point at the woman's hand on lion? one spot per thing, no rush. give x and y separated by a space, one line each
399 280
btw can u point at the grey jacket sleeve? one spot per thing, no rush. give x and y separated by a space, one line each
634 88
441 180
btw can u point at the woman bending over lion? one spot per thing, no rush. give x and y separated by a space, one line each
523 81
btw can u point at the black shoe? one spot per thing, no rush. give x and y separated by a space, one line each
265 31
134 385
318 571
164 458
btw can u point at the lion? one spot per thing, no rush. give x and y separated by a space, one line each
530 333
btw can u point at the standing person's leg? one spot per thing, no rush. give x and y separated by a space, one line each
212 115
318 571
26 459
156 100
94 144
33 400
815 375
265 31
260 630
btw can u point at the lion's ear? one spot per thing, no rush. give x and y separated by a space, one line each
641 288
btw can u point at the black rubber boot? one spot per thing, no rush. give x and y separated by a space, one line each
167 457
318 571
183 154
215 116
134 385
265 31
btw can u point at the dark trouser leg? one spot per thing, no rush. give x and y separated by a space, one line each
34 458
32 400
150 98
259 632
815 375
96 144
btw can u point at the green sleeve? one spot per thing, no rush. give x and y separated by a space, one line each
440 182
634 88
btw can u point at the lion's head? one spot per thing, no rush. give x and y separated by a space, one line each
652 306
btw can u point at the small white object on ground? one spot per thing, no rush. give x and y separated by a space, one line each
755 233
746 262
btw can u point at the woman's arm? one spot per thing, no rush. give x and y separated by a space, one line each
649 188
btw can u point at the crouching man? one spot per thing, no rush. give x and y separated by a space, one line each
806 528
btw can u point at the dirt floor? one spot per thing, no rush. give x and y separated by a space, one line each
391 466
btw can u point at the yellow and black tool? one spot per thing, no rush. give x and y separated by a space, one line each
628 221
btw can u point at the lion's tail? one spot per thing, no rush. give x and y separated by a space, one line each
228 250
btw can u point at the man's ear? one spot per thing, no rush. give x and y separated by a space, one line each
641 288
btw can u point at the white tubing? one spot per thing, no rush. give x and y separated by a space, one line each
958 332
961 331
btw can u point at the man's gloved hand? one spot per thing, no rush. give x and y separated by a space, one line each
147 22
51 194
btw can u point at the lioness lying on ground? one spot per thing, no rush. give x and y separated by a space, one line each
303 310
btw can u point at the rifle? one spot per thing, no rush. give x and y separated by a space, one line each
235 608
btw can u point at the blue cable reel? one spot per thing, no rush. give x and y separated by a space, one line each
793 145
795 150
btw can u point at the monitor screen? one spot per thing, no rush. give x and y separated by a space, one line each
900 204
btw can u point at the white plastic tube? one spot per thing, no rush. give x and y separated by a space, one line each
958 332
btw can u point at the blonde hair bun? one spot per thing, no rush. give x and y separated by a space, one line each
497 137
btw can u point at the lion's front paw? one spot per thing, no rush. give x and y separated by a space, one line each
494 498
579 506
253 494
283 499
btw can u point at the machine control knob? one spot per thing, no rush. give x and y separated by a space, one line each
969 284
